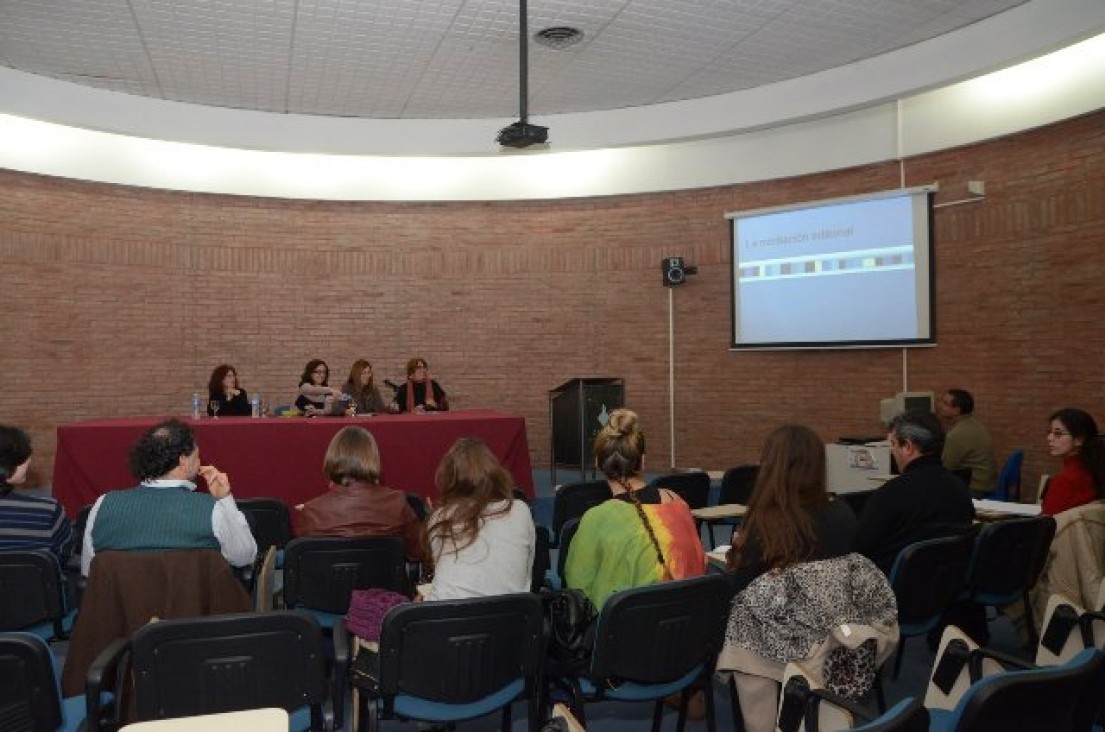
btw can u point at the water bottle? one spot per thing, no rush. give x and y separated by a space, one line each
255 406
196 405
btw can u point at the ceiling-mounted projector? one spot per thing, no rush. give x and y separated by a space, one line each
522 134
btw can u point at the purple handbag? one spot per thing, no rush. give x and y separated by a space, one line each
367 609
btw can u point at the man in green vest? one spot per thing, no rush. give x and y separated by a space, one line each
164 512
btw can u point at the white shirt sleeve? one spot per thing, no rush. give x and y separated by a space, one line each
232 530
86 543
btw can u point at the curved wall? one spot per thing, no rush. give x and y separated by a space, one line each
119 300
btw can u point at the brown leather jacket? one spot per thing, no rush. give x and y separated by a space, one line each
359 510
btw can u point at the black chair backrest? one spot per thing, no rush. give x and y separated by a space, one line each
566 533
572 501
321 573
224 663
1009 555
693 487
269 520
31 589
1036 700
459 651
737 484
542 558
29 697
418 505
78 529
928 576
660 632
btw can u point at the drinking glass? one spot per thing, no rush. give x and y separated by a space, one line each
214 405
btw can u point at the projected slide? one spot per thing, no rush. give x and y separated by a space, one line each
840 273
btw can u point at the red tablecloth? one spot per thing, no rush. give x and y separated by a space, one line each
282 456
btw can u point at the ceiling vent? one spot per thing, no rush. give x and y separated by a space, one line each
558 37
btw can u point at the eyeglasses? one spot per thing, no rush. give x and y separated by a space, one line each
1057 433
319 371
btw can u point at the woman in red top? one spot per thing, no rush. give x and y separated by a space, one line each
1073 437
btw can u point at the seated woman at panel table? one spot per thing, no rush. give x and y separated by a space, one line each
316 396
223 390
357 505
481 538
795 545
412 395
642 534
28 522
361 387
1073 436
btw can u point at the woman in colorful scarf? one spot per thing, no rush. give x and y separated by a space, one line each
640 536
419 393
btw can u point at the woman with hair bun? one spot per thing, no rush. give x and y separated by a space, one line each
640 536
1073 436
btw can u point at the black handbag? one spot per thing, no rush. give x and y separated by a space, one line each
569 615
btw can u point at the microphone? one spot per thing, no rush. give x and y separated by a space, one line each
392 384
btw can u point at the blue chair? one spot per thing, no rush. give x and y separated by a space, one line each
927 577
654 641
1009 479
33 595
1028 699
225 663
801 708
320 574
1007 560
452 660
567 532
736 487
692 487
30 697
571 501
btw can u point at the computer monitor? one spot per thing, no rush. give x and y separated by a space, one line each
905 401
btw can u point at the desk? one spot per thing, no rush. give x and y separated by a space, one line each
254 720
989 510
281 457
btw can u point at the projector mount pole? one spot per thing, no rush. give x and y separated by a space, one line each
671 373
523 61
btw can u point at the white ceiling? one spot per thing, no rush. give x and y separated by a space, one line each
452 59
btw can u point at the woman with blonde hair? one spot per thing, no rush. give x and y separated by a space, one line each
361 388
356 505
642 534
481 539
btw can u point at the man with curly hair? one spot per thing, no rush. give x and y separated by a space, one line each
164 512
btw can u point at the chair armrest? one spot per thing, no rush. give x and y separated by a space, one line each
106 675
980 654
339 674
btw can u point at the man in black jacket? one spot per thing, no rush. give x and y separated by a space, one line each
924 502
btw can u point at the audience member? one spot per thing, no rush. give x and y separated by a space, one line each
799 583
361 388
1074 438
419 393
967 444
28 522
924 502
790 518
642 534
356 504
223 389
164 512
481 538
316 396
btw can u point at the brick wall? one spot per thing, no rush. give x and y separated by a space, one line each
119 301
